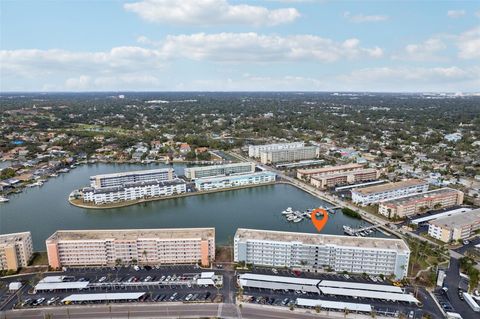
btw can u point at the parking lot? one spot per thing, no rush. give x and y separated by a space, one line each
160 284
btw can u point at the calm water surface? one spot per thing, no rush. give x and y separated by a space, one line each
43 210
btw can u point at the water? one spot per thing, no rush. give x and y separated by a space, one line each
43 210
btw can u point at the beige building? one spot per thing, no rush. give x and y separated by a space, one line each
305 174
145 246
16 250
328 180
419 203
288 155
455 227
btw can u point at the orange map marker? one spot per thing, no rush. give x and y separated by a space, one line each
319 223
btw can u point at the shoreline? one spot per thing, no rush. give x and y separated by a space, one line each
81 204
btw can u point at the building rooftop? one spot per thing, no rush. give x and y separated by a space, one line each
13 237
419 197
278 144
128 234
231 177
360 171
122 174
205 168
389 187
459 220
330 168
320 239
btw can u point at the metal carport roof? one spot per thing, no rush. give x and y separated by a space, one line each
277 285
281 279
61 285
326 304
104 297
368 294
358 285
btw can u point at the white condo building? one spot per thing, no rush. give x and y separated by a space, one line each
255 150
119 179
219 170
205 184
374 194
312 252
288 155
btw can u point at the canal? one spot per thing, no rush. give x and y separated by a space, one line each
43 210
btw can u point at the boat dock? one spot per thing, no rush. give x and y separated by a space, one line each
360 232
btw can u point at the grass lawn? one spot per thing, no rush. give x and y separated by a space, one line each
39 259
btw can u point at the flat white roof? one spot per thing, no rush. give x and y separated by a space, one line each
447 213
361 286
52 279
277 285
61 285
105 296
205 281
334 304
281 279
207 274
368 294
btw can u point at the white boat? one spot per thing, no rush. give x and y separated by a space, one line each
297 220
286 213
38 183
291 218
64 170
53 175
3 199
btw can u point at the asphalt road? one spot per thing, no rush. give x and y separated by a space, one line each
159 311
452 281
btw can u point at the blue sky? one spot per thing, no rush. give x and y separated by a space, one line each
224 45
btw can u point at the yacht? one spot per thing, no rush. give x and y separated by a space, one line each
291 218
53 175
3 199
348 230
297 219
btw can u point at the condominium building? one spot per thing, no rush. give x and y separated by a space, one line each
119 179
327 180
255 150
307 173
145 246
455 227
377 193
204 184
288 155
218 170
419 203
16 250
133 191
312 252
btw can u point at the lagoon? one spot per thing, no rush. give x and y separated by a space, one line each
43 210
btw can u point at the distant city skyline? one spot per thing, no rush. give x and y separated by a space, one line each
226 45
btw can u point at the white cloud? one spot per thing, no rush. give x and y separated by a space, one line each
413 79
469 44
209 12
253 47
425 51
455 13
361 18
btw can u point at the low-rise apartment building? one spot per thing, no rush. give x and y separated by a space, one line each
255 150
305 174
218 170
16 250
456 227
133 191
205 184
288 155
312 252
419 203
327 180
120 179
374 194
125 246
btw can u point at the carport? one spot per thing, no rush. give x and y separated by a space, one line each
326 304
75 285
368 294
124 296
278 282
361 286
